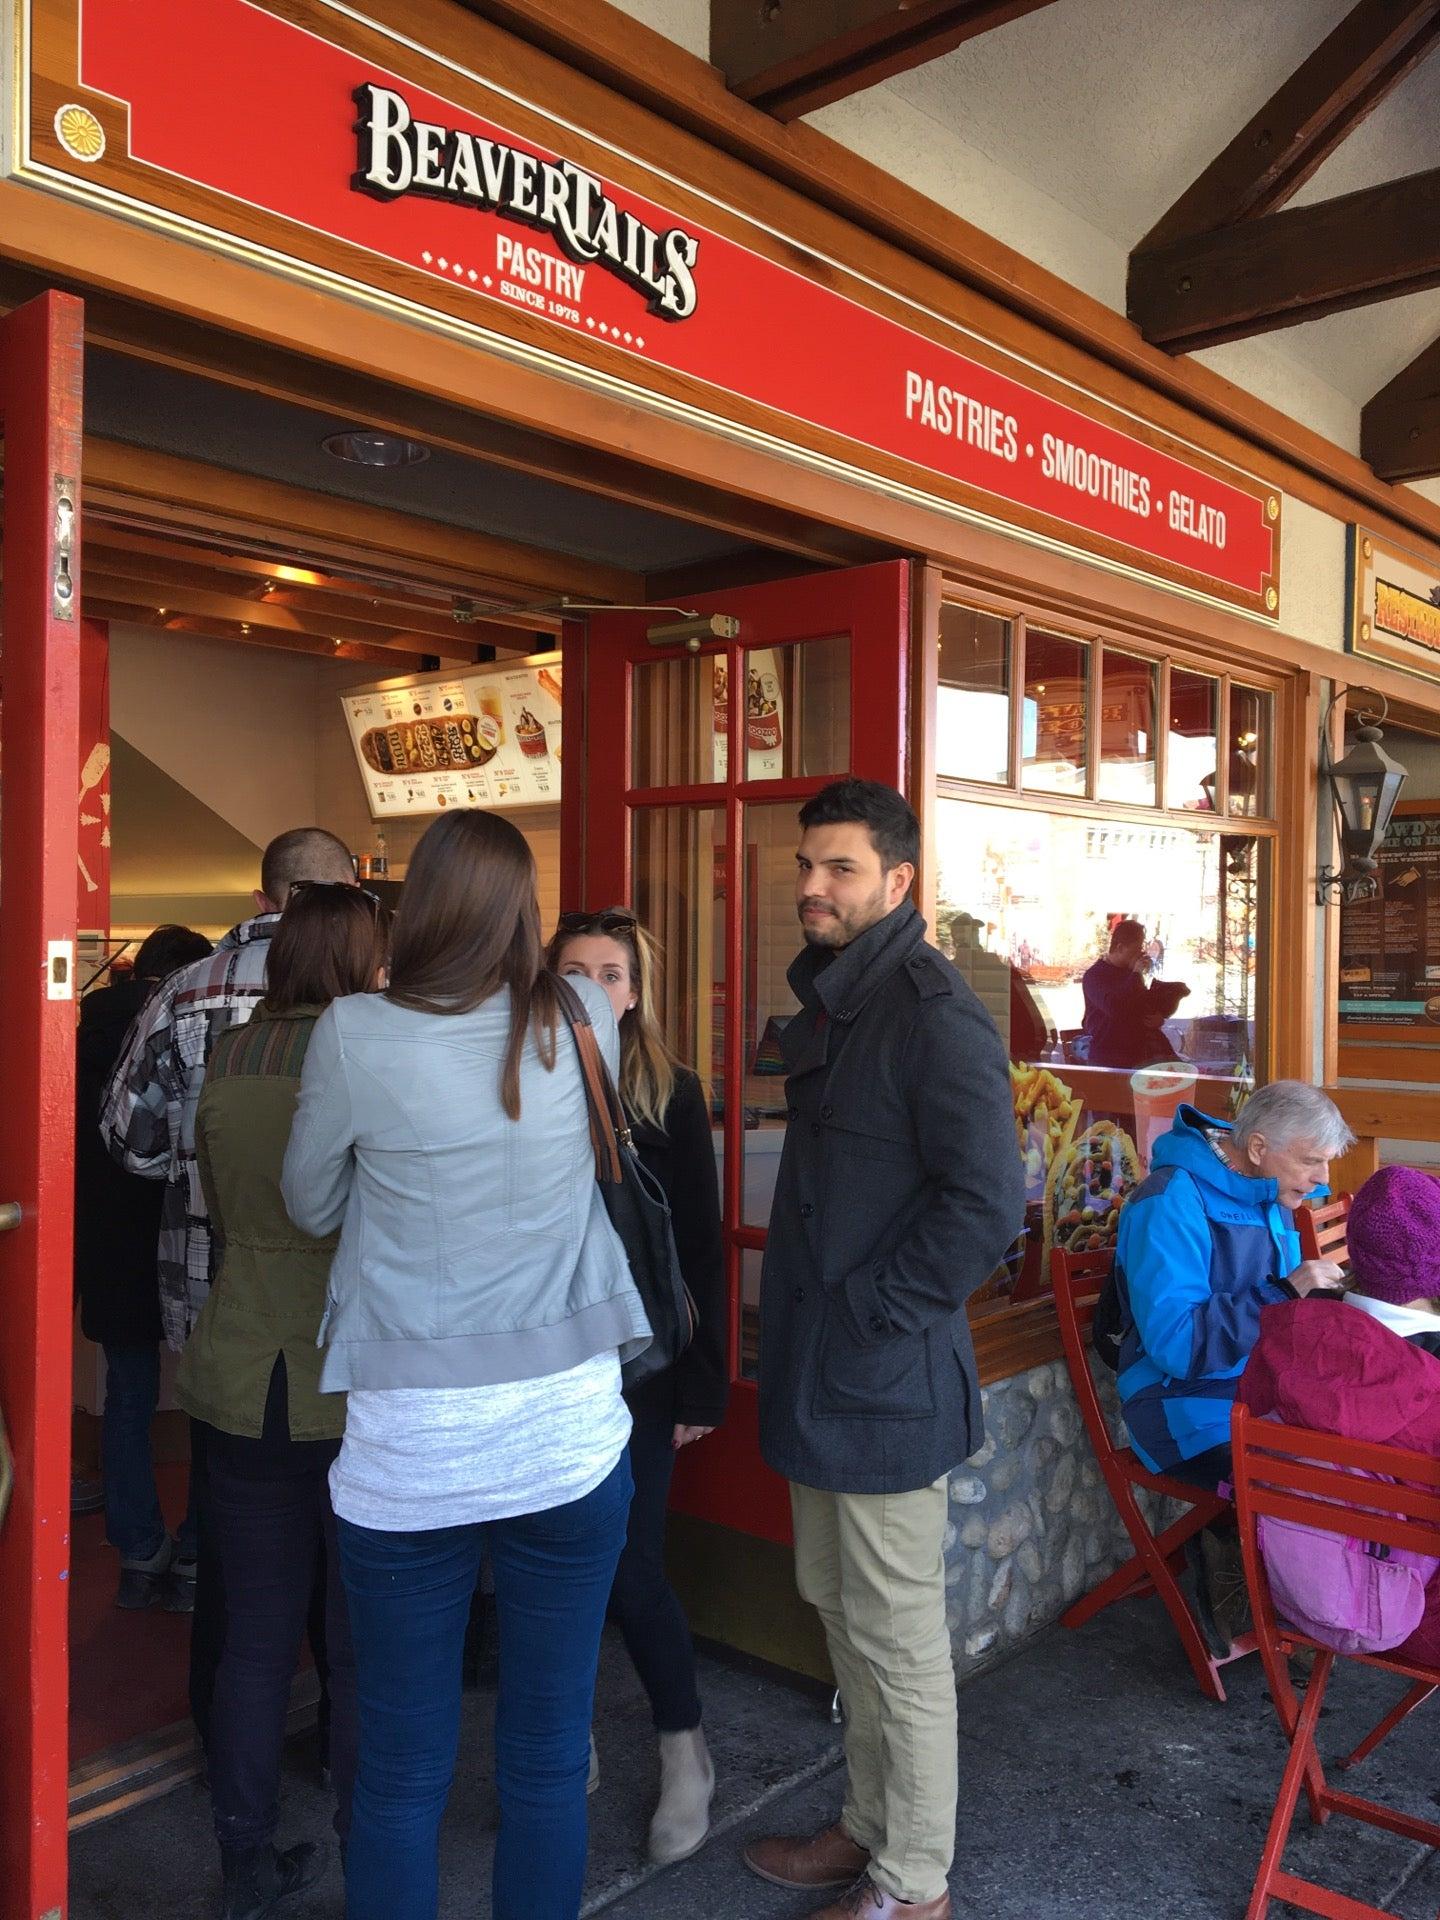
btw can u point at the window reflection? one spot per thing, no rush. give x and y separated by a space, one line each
1026 906
972 728
1127 729
1251 730
1055 724
1191 745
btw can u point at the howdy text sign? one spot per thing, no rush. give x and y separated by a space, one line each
1394 606
288 135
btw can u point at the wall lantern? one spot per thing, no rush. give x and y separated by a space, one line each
1365 786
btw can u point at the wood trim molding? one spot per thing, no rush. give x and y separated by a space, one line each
595 39
1384 1114
1292 1034
1016 1339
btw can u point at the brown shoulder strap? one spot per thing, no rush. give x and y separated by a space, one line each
600 1097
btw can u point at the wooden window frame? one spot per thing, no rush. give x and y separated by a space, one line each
1019 1337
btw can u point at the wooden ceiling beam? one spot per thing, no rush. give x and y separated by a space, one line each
789 57
390 659
1400 425
1371 51
260 616
1301 264
190 493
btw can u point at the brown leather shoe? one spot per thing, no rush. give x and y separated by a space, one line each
829 1858
866 1901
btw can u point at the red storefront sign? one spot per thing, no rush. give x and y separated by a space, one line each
489 226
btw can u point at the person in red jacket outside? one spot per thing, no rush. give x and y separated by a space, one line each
1366 1364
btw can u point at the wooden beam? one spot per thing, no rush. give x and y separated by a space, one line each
391 659
261 616
190 494
1400 425
1297 265
1302 124
789 57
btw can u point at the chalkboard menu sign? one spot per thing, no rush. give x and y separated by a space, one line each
1390 944
484 737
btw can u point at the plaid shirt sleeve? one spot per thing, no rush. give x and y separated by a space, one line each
140 1110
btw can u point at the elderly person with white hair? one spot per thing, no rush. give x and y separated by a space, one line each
1205 1242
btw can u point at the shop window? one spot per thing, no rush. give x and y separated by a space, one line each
1128 699
1251 731
1056 717
1192 742
1026 903
972 722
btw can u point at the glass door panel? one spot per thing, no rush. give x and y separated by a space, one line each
679 895
797 710
769 942
678 721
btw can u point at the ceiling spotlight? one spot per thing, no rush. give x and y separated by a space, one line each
364 449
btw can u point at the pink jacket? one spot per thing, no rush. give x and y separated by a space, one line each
1327 1365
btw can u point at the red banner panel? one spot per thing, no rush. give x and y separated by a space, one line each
496 230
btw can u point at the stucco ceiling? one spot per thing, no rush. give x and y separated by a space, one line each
1110 108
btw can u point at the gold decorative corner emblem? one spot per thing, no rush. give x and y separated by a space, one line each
1272 599
1272 508
80 133
1369 549
1364 629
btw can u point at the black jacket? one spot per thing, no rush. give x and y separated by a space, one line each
899 1190
694 1391
117 1214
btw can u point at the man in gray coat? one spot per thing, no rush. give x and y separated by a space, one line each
899 1190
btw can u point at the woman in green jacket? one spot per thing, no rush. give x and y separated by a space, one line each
251 1374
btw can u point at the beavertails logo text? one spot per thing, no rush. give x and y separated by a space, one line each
398 154
1407 615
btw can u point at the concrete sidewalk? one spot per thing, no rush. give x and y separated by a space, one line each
1096 1784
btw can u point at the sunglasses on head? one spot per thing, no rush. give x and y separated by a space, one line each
340 888
611 920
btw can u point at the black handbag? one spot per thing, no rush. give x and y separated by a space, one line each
636 1204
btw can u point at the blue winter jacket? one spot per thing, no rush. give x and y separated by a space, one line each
1200 1251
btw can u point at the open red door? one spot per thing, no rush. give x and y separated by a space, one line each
695 765
41 354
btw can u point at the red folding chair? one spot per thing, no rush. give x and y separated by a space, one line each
1293 1474
1159 1558
1324 1230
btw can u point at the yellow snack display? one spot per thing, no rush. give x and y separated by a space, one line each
1046 1115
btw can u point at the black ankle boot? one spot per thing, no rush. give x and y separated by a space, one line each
259 1879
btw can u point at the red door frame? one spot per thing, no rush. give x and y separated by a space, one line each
724 1479
41 362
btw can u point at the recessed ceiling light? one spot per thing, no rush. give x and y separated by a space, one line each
375 449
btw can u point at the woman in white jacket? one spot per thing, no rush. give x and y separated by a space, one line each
479 1308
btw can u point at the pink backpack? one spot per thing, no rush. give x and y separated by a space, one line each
1352 1595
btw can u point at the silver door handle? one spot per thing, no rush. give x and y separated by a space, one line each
10 1215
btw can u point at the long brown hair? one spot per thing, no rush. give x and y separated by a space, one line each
647 1066
332 940
468 925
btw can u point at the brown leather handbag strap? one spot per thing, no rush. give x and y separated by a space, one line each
601 1099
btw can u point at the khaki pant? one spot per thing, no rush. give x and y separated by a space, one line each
873 1565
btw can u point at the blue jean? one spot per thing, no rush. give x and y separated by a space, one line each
409 1597
134 1524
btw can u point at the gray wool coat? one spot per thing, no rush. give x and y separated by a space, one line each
899 1190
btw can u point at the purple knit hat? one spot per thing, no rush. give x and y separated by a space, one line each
1394 1236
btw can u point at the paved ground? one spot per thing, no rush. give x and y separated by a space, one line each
1095 1784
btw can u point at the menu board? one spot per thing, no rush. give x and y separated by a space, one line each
1390 944
487 737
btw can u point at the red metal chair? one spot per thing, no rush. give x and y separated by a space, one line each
1323 1230
1159 1558
1297 1475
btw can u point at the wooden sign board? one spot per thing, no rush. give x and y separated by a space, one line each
1394 606
306 136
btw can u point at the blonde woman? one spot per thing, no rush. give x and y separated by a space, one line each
670 1119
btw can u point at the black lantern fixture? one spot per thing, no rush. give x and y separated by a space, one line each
1366 785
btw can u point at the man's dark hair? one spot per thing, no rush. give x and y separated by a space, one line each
304 853
166 950
894 830
1127 930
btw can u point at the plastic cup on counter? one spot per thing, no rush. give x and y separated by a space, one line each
1159 1093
